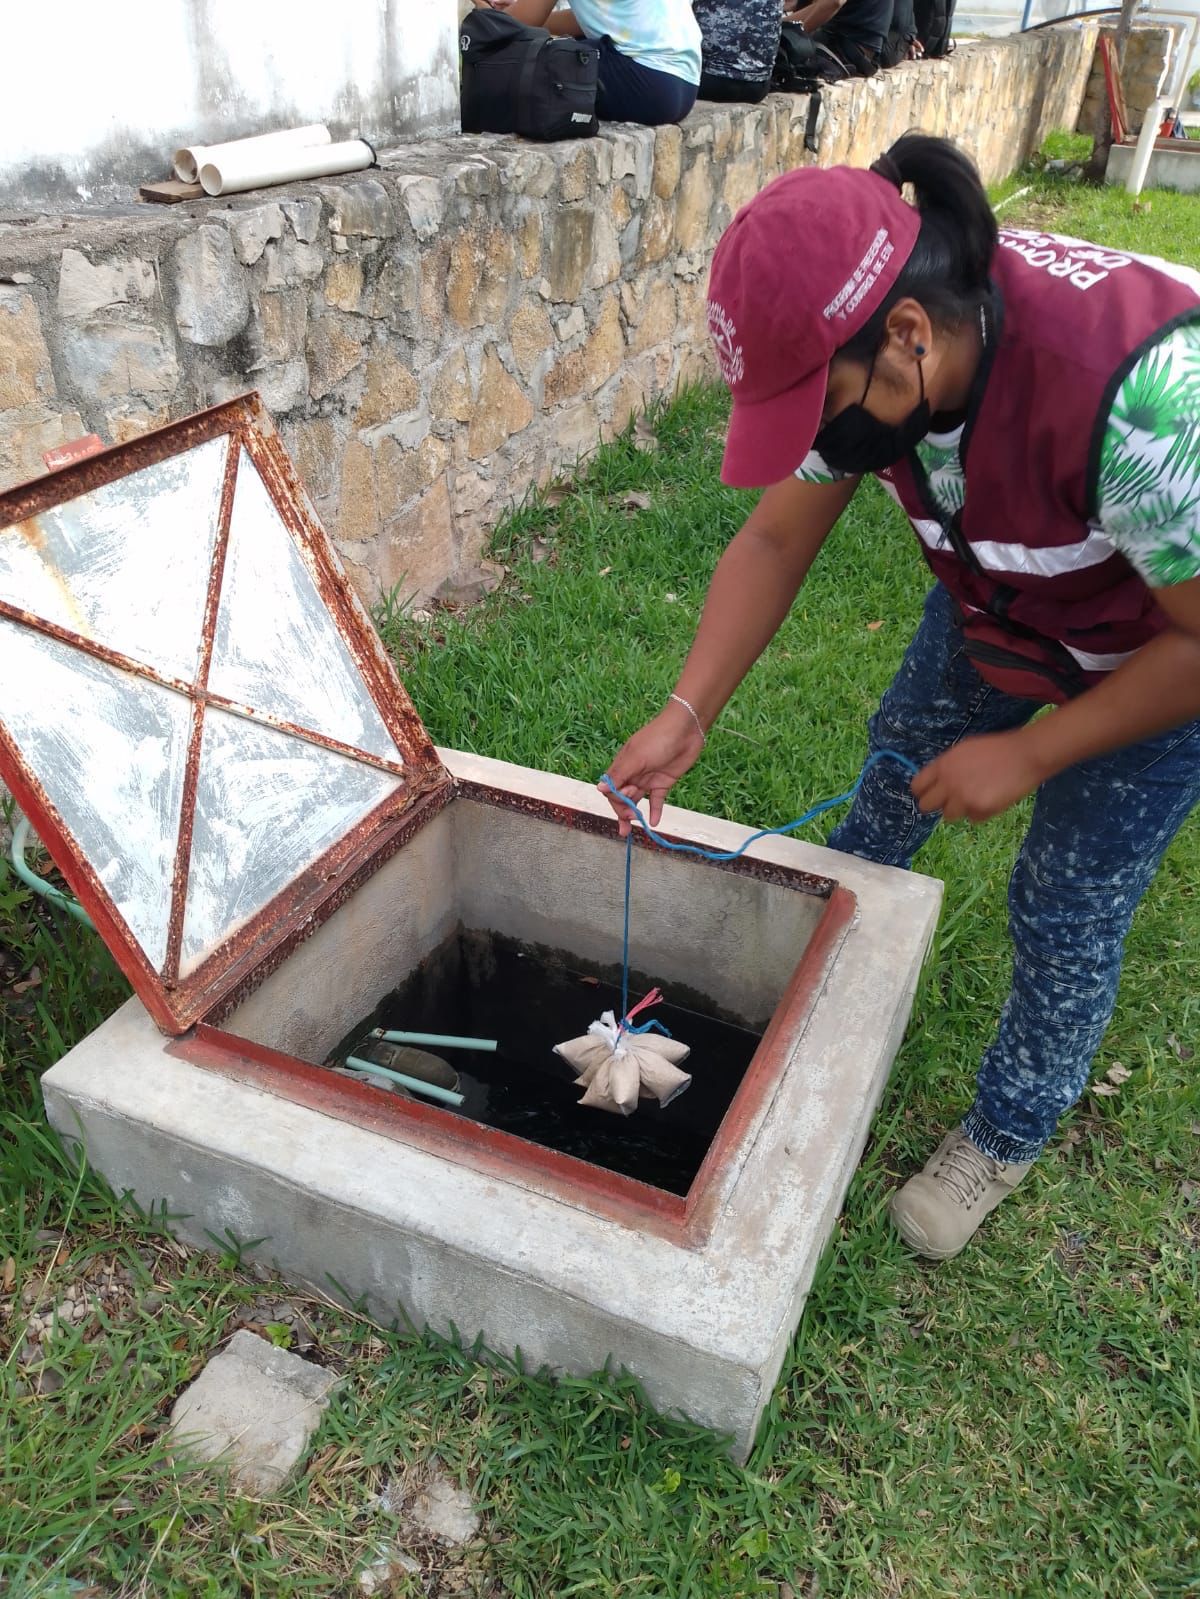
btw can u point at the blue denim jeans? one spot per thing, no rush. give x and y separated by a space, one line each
1097 835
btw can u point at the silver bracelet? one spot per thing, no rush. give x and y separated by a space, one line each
679 700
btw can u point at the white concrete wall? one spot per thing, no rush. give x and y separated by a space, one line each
96 98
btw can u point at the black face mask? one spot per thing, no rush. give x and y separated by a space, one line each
855 441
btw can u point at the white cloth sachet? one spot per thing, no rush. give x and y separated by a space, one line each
617 1069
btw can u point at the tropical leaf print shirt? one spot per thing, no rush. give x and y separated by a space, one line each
1148 491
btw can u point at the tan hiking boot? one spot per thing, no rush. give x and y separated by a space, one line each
939 1210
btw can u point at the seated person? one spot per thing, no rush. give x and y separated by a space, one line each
854 32
933 27
741 38
903 41
649 52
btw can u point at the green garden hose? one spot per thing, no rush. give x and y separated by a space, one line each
20 843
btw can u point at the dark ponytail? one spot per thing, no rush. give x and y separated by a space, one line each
947 272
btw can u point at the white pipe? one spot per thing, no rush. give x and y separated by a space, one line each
187 162
1009 198
256 169
1145 147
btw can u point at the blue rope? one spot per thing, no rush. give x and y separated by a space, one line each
625 949
720 855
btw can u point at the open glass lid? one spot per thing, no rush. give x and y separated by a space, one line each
195 712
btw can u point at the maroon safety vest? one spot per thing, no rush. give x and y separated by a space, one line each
1046 603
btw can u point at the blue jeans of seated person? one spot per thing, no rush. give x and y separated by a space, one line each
1097 835
630 92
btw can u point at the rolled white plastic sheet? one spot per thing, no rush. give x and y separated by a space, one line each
240 170
187 162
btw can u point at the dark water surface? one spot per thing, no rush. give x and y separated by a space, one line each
481 985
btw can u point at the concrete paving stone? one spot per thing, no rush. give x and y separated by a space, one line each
256 1406
443 1510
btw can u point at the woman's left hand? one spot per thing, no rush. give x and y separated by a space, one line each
978 778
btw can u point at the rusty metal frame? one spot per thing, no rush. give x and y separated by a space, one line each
173 1001
683 1220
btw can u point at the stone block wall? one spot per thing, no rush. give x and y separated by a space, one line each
435 336
1147 53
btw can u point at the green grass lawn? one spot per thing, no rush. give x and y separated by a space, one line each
1022 1421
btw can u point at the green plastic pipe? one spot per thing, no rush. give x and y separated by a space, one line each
446 1095
20 843
444 1039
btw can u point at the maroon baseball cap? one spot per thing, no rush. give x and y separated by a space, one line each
797 273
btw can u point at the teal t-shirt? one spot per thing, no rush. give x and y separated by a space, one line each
662 34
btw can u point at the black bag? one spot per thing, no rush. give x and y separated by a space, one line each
806 61
849 60
934 20
795 61
523 80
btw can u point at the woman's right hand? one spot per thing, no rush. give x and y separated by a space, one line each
653 760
